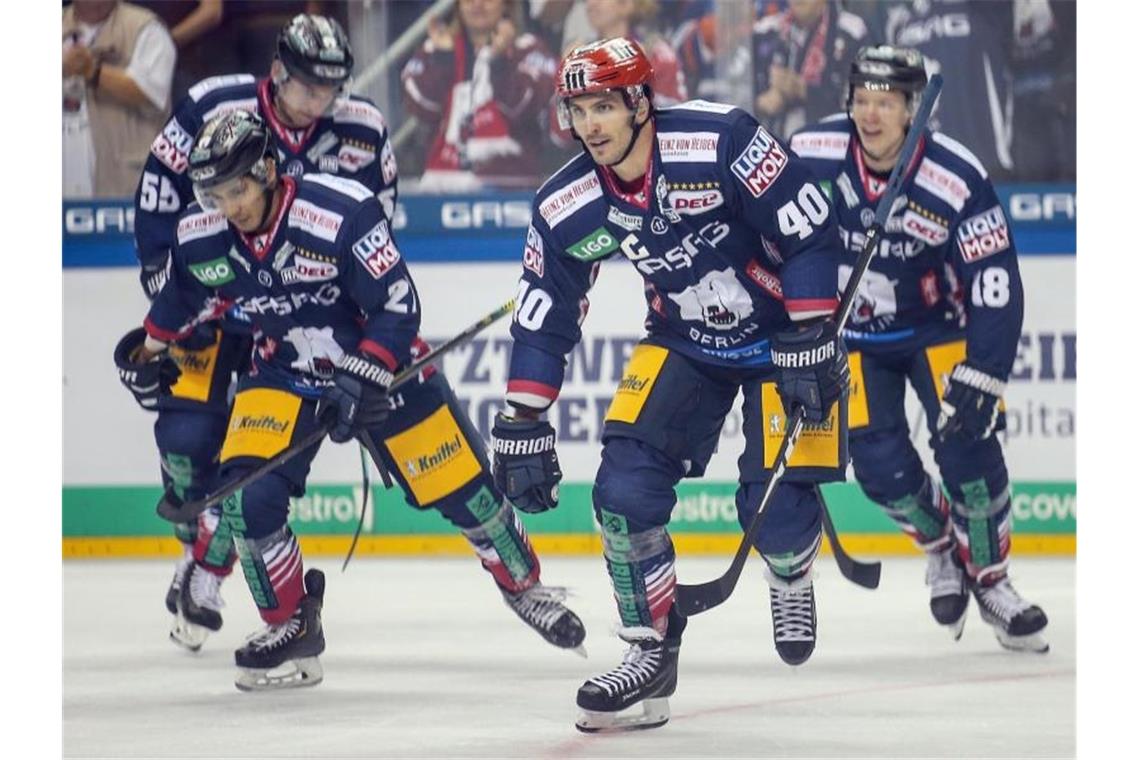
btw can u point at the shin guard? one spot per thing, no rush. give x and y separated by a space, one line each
213 544
273 568
790 566
924 516
642 570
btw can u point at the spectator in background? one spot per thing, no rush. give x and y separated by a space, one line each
698 50
801 59
478 86
118 63
192 25
972 49
1045 91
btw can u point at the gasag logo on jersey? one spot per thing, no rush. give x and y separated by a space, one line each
172 146
315 220
569 199
692 202
376 250
212 273
983 235
597 244
624 220
284 305
532 253
688 147
761 163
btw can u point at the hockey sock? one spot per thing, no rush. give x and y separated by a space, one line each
924 516
214 542
501 543
792 565
642 569
271 564
981 526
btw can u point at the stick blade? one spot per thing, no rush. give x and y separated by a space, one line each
695 599
174 510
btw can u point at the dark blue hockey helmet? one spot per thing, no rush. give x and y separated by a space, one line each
230 146
315 49
886 67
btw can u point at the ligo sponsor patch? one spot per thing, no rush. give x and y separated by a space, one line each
213 273
377 251
983 235
597 244
569 199
761 163
533 252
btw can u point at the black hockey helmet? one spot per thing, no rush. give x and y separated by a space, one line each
885 67
230 146
315 49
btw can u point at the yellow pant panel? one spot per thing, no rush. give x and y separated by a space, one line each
636 383
434 457
261 423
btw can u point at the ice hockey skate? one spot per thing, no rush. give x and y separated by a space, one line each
793 616
634 695
180 570
949 596
1017 624
285 656
196 609
541 608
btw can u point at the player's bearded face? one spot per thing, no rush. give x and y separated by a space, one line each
300 103
603 123
880 118
241 200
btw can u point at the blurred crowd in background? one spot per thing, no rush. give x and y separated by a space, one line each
467 85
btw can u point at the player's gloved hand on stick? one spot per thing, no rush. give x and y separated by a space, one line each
525 465
358 398
970 404
146 378
813 369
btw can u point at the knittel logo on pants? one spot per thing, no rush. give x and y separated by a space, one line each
422 466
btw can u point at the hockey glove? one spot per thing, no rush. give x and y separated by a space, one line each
358 398
970 404
146 380
813 370
526 466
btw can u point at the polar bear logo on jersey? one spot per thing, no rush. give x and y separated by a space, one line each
718 300
317 350
874 300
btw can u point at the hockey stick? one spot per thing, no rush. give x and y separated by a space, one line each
696 598
865 574
179 513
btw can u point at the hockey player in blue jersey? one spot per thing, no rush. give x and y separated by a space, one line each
739 252
312 262
941 307
316 127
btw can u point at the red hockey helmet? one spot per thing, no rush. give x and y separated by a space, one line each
618 64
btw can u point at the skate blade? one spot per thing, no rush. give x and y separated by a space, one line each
1033 642
188 635
580 650
955 629
653 713
294 674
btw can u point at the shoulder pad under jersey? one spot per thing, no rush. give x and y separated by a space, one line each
570 190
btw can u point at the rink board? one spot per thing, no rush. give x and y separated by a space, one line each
464 256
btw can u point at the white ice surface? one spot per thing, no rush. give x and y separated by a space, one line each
424 660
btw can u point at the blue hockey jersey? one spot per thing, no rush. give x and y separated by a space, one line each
947 257
351 141
730 232
326 279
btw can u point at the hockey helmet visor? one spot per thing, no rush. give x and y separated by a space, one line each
226 148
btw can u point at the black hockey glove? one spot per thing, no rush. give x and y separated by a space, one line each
148 380
358 398
970 404
526 466
813 370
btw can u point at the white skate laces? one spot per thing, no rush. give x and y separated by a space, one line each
943 574
539 605
792 608
638 665
1002 601
205 589
273 636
